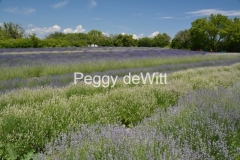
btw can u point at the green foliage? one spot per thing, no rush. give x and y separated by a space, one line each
125 40
35 40
95 37
56 35
29 156
59 39
232 45
16 43
106 42
181 40
213 33
6 44
2 33
12 30
76 39
46 43
10 152
161 40
145 42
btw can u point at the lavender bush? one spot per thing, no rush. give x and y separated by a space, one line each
202 125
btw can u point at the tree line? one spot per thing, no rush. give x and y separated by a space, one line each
214 33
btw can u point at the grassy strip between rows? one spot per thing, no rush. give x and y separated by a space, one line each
26 71
31 118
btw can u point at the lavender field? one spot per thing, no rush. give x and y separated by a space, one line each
10 57
44 115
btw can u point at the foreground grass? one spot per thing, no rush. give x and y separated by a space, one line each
31 118
8 73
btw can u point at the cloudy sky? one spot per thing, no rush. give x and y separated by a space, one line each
136 17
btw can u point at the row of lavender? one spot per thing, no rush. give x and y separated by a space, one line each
83 49
202 125
13 57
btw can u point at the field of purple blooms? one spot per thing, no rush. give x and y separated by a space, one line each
43 115
33 56
203 125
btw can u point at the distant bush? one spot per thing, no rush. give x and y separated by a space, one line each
16 43
6 44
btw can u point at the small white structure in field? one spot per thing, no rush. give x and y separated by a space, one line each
93 45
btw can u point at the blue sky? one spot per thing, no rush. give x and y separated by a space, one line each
136 17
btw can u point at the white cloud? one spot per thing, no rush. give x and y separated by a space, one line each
68 30
207 12
166 17
25 10
30 25
169 17
134 35
43 30
106 34
60 4
92 4
154 34
137 37
79 29
1 24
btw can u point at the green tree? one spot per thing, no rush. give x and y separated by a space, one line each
181 40
211 33
69 39
56 35
95 36
2 34
161 40
35 40
125 40
12 30
106 41
76 39
144 42
233 43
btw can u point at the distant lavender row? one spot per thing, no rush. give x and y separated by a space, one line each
203 125
63 80
13 57
84 49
